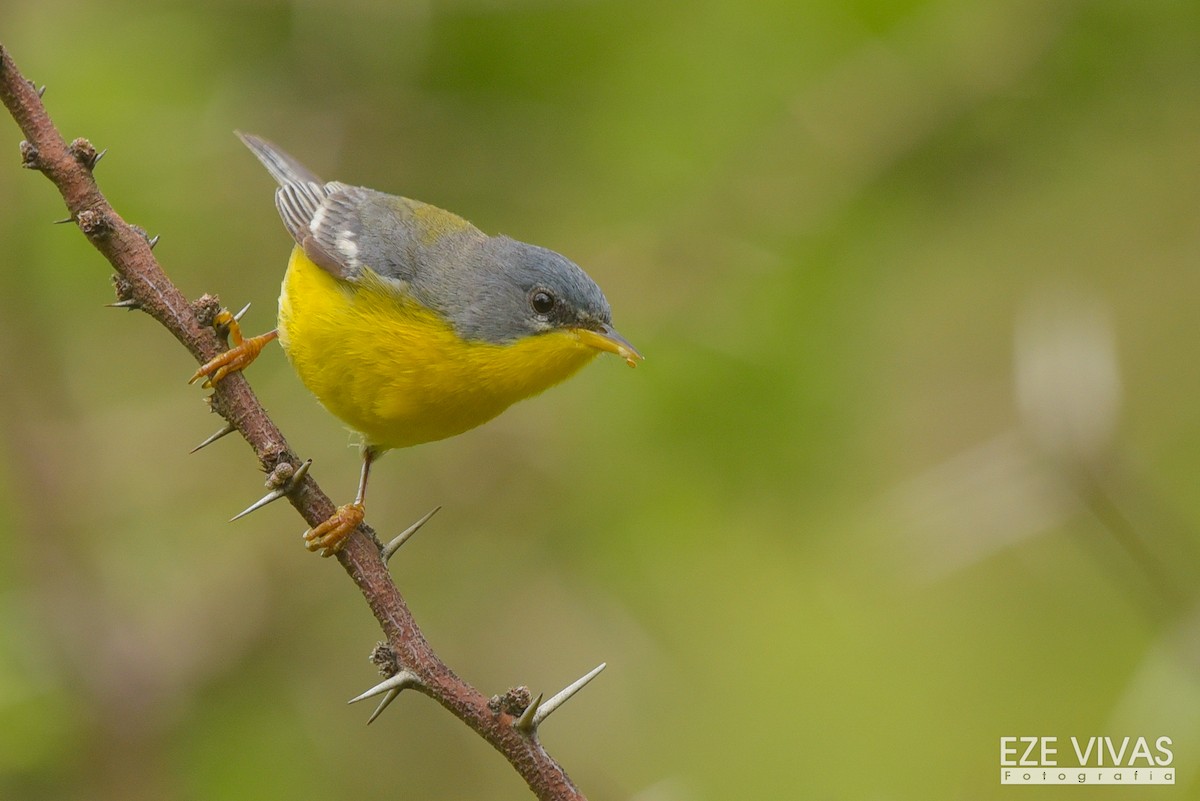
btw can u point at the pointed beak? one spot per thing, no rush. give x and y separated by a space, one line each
605 338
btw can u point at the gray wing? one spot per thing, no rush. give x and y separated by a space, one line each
345 229
316 213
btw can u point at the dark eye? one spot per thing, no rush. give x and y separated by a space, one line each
542 301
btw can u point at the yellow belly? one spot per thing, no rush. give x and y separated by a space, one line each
394 371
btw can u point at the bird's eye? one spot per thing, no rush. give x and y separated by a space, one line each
542 301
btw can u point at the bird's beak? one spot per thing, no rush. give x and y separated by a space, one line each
605 338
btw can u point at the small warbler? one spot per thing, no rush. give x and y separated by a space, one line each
409 323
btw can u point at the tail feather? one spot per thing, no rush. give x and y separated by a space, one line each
283 168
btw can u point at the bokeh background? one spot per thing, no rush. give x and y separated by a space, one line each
911 464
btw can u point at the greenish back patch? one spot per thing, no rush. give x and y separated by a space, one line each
436 223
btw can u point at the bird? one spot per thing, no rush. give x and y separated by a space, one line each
411 325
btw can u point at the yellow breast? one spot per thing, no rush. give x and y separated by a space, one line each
395 371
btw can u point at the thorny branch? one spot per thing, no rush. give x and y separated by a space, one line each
508 722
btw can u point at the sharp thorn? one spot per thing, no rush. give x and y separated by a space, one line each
278 492
226 429
153 241
557 700
299 475
270 497
389 696
128 303
526 722
398 682
390 549
64 221
42 91
238 316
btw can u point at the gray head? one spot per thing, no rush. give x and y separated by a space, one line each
519 290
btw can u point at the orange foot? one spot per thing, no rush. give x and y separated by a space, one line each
328 538
239 357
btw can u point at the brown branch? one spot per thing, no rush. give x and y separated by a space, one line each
141 283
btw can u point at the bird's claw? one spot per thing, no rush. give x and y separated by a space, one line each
328 538
238 357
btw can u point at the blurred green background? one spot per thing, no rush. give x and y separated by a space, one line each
911 464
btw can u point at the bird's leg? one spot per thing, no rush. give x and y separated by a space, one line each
238 357
328 538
